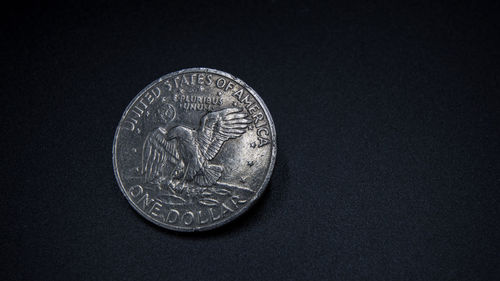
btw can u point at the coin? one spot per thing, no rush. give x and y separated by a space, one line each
194 149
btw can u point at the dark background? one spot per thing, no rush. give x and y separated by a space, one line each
387 118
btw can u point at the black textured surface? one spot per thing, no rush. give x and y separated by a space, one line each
388 140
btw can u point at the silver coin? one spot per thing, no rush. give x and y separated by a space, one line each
194 149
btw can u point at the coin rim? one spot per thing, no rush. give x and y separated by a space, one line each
260 190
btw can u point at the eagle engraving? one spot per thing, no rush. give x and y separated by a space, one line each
182 154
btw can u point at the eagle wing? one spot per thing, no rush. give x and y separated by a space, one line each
158 152
219 126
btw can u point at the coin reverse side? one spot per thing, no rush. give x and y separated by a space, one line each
194 149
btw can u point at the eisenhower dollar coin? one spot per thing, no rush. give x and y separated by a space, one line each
194 149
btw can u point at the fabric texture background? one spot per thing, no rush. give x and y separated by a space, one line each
387 118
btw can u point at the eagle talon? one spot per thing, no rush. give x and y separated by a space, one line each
174 186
